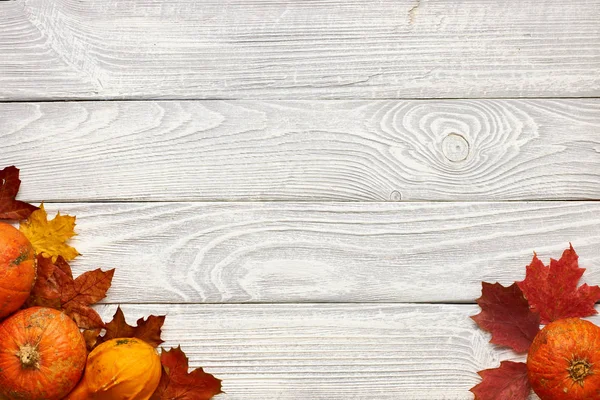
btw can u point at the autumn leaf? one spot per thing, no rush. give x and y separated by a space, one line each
89 288
49 237
507 382
46 290
10 208
56 288
148 330
506 314
177 384
552 291
91 338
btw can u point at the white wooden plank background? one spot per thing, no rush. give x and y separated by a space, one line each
325 252
341 351
298 49
289 229
308 150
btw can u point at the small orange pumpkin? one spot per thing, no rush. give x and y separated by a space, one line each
42 355
563 362
17 269
123 369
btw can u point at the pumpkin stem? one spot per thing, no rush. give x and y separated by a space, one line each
29 356
580 369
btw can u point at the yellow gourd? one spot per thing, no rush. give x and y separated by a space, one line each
119 369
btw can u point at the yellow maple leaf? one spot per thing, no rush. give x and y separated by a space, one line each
49 237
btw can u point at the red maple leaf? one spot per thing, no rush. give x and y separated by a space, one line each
506 314
177 384
552 291
11 209
56 288
507 382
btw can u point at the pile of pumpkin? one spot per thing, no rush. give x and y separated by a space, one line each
43 354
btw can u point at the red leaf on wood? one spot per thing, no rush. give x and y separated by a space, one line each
506 314
10 208
56 288
507 382
177 384
552 291
148 330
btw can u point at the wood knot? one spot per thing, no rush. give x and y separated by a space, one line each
455 147
396 196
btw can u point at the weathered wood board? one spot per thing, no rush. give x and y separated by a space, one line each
259 49
317 351
332 351
305 150
325 252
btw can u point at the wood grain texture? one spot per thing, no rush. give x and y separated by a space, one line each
304 150
111 49
324 252
331 352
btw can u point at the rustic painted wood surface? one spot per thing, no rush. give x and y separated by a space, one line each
325 252
57 49
309 150
332 351
289 229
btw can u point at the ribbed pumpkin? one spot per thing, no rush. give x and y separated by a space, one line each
119 369
42 355
17 269
563 362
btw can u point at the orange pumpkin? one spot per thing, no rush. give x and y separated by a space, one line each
17 269
119 369
564 361
42 355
